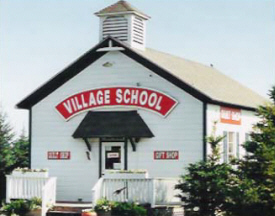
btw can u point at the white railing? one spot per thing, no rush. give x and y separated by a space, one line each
30 187
48 195
165 192
132 190
96 191
156 191
24 187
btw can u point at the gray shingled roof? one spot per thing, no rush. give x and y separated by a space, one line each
207 80
120 7
207 83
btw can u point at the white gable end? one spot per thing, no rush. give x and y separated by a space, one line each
181 130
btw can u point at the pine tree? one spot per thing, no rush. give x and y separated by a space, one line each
6 138
253 191
204 186
13 152
20 152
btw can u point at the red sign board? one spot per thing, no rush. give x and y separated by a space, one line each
166 155
230 115
113 155
59 155
116 96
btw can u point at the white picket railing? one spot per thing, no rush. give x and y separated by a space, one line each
156 191
132 190
24 187
30 187
96 191
165 192
48 195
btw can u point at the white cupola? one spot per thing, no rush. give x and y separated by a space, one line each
123 22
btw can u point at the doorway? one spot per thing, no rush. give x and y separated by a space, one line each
112 156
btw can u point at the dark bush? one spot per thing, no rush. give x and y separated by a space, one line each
20 207
128 209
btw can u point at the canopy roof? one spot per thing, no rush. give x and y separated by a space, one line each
113 124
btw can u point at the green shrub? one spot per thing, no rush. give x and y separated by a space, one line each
128 209
103 205
204 187
162 211
139 211
35 203
21 206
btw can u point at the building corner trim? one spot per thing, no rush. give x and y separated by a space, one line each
30 136
204 131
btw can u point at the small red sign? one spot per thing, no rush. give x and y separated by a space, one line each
230 116
166 155
113 155
117 96
59 155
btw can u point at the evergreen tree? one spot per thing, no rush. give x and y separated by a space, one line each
204 187
13 152
253 191
6 138
20 152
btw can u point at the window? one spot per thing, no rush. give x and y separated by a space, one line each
231 146
113 157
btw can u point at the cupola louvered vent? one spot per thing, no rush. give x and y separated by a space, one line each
115 26
123 22
138 30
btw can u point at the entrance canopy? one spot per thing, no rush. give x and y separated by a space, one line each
127 124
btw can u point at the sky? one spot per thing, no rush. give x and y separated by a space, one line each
38 38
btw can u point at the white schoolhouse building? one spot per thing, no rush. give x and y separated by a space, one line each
123 106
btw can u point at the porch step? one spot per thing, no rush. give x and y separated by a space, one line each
70 209
64 213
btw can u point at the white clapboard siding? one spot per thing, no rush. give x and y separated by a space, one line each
248 119
181 130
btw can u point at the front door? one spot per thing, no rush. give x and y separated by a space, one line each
112 156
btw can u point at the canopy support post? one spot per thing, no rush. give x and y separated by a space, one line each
89 146
133 144
137 139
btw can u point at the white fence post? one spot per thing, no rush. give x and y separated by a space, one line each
48 195
97 191
19 187
153 193
8 185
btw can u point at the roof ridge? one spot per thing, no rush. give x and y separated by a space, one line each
120 7
207 84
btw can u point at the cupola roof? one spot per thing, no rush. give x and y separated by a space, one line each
121 7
